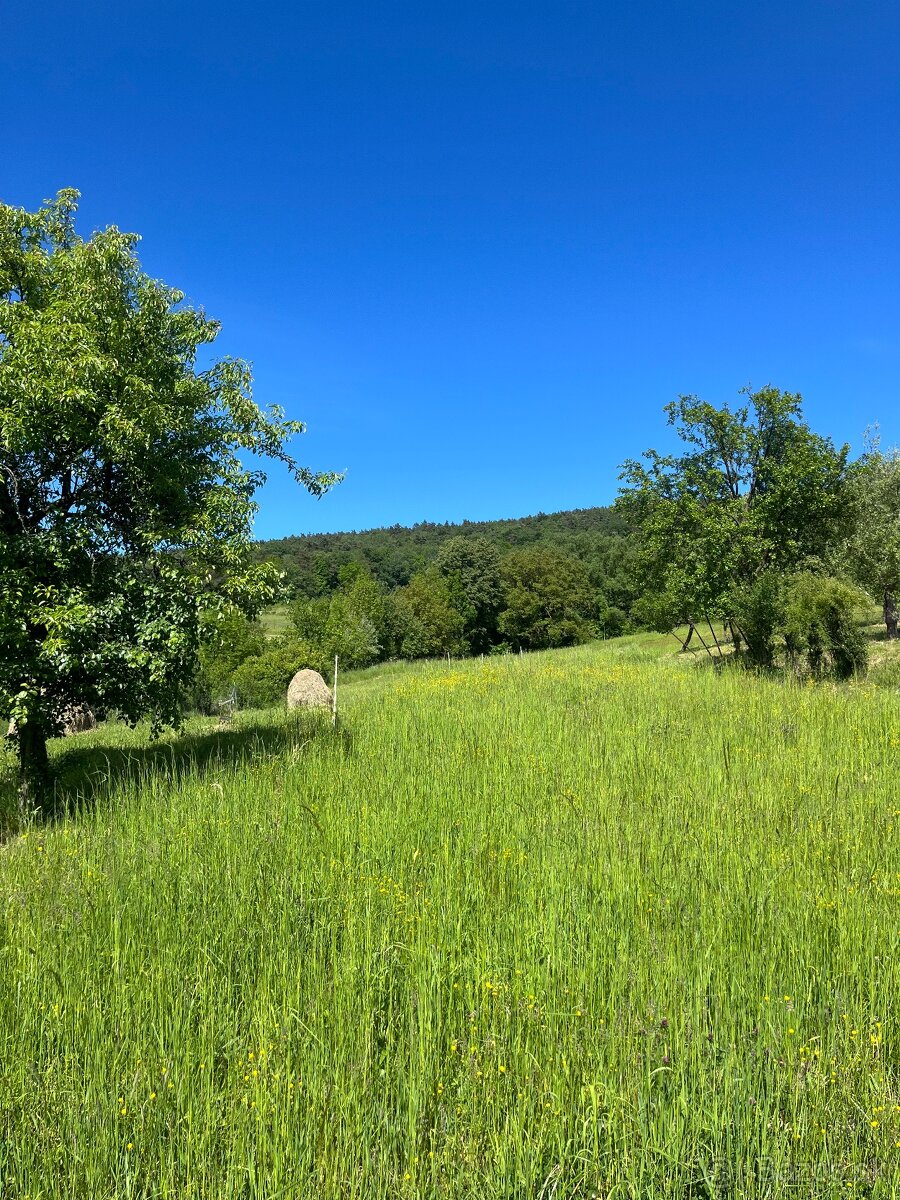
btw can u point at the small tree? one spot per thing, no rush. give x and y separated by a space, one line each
350 624
426 621
755 490
125 506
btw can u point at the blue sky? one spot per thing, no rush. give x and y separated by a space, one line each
478 246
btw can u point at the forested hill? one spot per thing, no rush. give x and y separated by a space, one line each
394 554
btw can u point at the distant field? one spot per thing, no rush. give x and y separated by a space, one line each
276 620
591 923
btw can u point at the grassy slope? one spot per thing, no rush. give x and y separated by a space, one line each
583 923
276 620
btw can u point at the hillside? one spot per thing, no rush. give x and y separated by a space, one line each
311 562
584 923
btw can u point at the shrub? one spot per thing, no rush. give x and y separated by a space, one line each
263 679
820 625
612 621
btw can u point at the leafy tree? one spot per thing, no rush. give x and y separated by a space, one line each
310 618
549 599
756 490
471 565
125 506
351 634
426 621
350 624
360 597
874 544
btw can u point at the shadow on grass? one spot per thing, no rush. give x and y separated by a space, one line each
87 767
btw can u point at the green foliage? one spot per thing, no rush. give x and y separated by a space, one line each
426 621
229 638
597 536
263 679
612 621
549 600
821 626
357 619
350 624
756 490
759 613
456 605
813 617
471 566
125 504
873 547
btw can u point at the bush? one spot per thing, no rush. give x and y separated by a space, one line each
820 625
227 642
263 680
611 621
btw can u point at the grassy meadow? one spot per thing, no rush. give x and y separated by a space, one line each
276 620
590 923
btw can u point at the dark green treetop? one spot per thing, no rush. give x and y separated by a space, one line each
471 565
549 599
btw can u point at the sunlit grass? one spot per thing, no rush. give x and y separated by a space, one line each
590 923
276 620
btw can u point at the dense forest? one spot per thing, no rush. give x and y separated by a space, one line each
312 563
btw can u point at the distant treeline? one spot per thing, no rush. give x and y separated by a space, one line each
394 554
482 587
758 523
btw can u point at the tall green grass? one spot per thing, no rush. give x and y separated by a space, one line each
584 924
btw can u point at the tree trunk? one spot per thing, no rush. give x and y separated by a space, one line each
890 614
34 767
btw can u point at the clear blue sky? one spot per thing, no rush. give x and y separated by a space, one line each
477 246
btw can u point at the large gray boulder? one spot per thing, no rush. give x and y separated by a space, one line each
308 690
